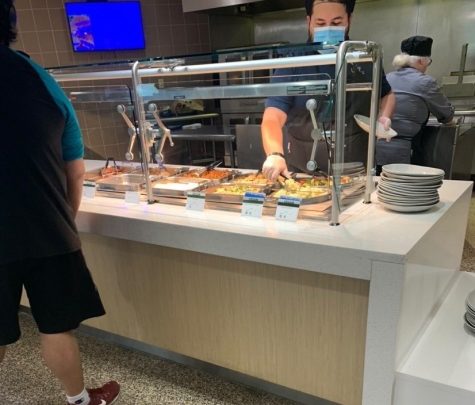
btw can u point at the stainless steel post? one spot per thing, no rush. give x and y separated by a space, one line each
340 124
377 52
140 116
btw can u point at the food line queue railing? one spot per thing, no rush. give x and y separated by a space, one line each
348 52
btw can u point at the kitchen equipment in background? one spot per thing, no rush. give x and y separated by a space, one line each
255 52
448 147
244 107
246 7
200 5
243 111
249 149
459 87
461 83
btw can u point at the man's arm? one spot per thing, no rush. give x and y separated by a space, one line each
75 171
273 141
271 128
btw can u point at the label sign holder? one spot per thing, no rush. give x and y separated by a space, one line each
89 189
288 208
195 201
252 204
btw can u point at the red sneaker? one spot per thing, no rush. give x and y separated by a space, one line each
105 395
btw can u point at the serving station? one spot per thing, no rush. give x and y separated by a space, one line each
316 313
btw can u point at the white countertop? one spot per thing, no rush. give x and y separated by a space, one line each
445 354
367 232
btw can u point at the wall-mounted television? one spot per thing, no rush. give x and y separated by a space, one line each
105 26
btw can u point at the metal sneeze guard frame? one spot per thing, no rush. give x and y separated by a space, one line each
348 52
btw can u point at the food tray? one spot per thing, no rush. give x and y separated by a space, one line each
122 182
164 172
177 187
313 181
103 172
253 179
232 193
307 197
213 175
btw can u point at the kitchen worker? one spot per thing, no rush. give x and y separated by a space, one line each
325 19
41 173
417 95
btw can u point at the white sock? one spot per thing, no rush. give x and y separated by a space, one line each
81 399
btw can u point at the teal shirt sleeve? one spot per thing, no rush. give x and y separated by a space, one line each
72 141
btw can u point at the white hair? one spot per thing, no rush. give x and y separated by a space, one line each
405 60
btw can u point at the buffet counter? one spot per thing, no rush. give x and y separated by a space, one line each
326 311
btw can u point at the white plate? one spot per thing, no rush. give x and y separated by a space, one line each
468 325
412 170
470 318
413 208
412 179
410 189
410 183
407 203
470 301
470 311
363 123
407 197
407 192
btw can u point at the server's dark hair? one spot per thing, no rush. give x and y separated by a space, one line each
8 31
349 4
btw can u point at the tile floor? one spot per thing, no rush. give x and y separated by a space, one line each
146 380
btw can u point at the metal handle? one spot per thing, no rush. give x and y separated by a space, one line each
152 107
132 130
316 135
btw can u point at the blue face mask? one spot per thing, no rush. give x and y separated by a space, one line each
329 36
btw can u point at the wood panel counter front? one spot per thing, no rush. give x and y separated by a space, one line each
328 311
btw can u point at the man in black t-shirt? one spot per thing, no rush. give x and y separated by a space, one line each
42 170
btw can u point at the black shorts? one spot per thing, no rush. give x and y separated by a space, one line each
60 289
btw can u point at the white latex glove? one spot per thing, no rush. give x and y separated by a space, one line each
273 166
386 123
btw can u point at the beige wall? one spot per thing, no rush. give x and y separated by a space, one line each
44 35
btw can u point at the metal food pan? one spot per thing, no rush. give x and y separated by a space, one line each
166 172
122 182
197 174
240 180
212 193
272 199
174 187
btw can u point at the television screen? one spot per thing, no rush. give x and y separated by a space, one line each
105 26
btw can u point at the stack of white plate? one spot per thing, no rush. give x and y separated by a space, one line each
409 188
470 314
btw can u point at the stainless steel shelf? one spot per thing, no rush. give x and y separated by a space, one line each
311 88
